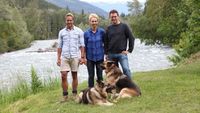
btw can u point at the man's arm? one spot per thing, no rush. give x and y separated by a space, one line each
59 51
131 39
105 41
82 47
82 52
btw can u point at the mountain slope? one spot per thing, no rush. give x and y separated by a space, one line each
77 6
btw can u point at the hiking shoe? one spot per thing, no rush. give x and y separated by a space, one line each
74 96
65 98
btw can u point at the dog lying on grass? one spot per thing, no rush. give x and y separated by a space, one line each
96 95
115 79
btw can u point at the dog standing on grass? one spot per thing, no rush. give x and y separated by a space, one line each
96 95
124 86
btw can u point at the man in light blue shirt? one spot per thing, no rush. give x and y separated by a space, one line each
70 43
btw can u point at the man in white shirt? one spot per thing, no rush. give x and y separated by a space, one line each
70 41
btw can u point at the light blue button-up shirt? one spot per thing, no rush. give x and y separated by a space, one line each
70 41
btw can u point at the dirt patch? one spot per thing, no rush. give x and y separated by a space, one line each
193 58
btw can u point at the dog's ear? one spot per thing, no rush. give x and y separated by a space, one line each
100 83
110 63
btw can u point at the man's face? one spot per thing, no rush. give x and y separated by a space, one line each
69 21
114 18
94 22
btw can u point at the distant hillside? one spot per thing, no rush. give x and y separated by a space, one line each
77 6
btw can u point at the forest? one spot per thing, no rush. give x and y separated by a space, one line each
23 21
168 22
175 23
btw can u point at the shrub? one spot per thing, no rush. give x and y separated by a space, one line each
36 84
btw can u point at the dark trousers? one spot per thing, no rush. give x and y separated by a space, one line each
91 71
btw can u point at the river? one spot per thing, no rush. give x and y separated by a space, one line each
17 65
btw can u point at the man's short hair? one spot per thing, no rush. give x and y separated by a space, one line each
69 14
114 11
93 15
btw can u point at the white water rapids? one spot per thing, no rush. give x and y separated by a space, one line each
15 65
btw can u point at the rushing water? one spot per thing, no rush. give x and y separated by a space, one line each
17 65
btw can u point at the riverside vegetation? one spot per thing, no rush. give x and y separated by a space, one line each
175 90
172 22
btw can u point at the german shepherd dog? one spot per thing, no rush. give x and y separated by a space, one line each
124 86
96 95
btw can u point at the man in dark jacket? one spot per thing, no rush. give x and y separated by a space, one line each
118 37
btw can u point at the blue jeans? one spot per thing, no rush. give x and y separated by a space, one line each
91 71
123 60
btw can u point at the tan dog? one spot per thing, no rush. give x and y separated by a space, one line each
115 78
96 95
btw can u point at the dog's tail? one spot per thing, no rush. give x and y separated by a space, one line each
79 98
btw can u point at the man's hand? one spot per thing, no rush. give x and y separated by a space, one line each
125 52
58 62
82 61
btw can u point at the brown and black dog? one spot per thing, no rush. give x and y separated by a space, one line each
96 95
115 78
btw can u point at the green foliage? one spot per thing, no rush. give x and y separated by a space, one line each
36 84
103 23
3 33
84 27
56 22
20 18
20 91
51 84
42 20
190 39
25 20
82 21
13 32
135 8
176 59
158 22
170 22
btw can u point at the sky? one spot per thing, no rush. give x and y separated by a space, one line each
107 5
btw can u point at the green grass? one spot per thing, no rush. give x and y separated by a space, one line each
174 90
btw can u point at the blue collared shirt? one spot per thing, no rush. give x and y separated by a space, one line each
94 44
70 41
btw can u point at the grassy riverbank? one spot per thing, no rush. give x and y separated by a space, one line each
174 90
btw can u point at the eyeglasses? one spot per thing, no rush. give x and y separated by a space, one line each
113 16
